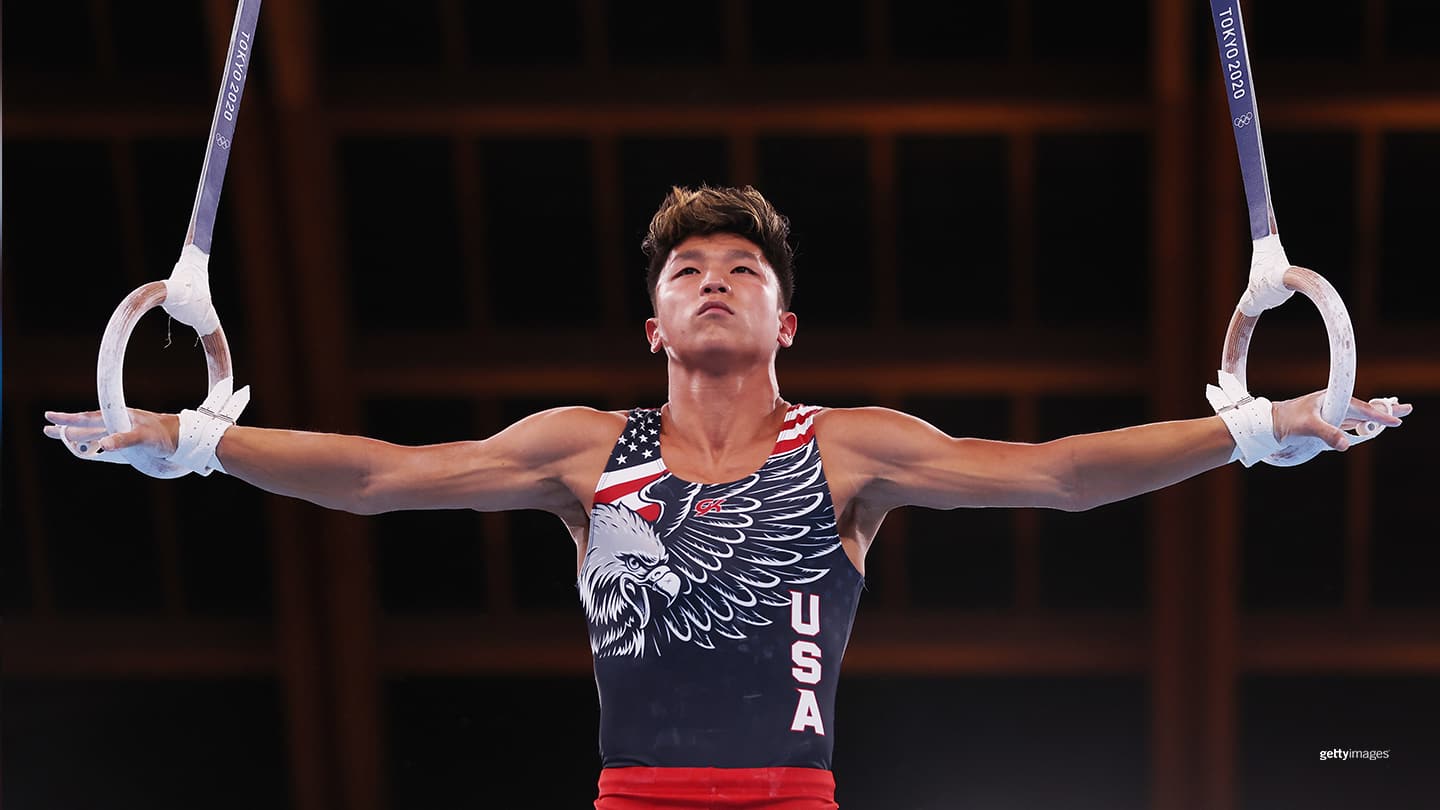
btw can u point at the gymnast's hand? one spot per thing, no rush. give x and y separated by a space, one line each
152 434
1301 417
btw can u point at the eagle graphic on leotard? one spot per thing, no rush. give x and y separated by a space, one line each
708 567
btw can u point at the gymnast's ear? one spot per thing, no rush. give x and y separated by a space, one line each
653 336
788 325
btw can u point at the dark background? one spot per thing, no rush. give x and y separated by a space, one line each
1017 220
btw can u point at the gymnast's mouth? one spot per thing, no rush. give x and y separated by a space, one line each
713 305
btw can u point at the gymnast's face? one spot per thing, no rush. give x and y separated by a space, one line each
717 295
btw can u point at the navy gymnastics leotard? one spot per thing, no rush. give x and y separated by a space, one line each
718 613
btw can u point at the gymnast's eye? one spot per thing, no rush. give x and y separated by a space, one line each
743 269
685 271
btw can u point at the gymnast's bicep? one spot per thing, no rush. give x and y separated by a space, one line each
894 459
540 462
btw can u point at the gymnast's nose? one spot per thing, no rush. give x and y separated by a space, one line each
714 283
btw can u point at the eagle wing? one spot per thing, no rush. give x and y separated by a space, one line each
735 560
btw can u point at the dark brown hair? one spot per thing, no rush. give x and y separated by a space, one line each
688 212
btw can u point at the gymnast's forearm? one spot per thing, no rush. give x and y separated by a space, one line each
1119 464
327 469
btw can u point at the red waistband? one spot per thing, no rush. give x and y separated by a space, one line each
716 789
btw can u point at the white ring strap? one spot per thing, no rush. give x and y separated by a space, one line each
201 429
1250 419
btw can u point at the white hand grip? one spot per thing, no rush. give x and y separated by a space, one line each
110 371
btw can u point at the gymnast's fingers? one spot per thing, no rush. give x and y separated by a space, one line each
1331 435
1370 412
78 419
74 433
120 441
1369 418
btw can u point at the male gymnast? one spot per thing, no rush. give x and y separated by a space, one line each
719 561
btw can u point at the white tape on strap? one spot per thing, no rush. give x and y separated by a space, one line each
187 291
1267 288
201 429
90 449
1366 431
1251 420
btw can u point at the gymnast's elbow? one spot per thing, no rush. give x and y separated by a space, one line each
371 495
1068 492
1066 497
393 478
353 493
356 502
362 494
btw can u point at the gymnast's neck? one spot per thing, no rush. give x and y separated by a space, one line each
715 408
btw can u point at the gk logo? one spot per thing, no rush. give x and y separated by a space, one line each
708 505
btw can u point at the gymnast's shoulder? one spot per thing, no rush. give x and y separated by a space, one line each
576 427
871 426
865 436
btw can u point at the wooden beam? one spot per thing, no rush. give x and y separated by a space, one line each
307 162
266 362
796 117
1382 642
1418 113
1175 648
1219 595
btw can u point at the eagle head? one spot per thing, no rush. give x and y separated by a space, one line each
624 569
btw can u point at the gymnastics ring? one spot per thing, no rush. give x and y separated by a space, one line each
186 294
1341 384
1272 277
110 371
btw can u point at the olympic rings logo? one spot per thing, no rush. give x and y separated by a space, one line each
224 143
1243 121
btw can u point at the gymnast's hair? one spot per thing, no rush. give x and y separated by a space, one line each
688 212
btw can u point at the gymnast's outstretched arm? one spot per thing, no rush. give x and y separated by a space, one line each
898 460
537 463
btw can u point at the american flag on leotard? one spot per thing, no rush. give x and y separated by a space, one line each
634 462
799 427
